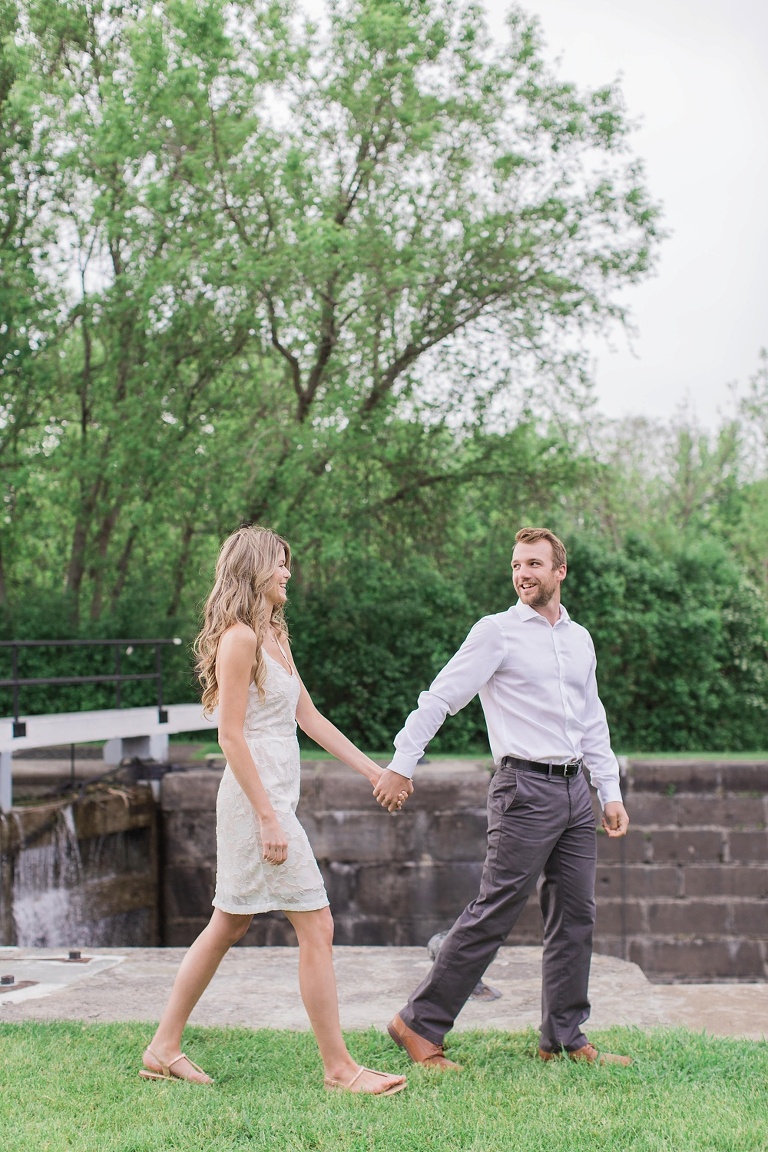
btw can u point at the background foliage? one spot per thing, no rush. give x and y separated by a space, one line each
335 279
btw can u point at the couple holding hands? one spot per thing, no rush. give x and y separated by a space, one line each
534 669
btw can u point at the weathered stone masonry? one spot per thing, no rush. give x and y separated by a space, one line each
693 871
685 895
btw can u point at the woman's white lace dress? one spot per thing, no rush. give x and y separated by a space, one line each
245 882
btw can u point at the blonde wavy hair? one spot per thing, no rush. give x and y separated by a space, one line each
245 568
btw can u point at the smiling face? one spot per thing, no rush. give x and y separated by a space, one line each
276 590
537 582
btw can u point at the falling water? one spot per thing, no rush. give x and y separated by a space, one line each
100 891
47 892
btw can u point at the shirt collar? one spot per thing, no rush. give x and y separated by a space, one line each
525 612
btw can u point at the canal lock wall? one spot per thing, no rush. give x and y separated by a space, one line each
684 895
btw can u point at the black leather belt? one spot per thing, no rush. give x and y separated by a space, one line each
572 768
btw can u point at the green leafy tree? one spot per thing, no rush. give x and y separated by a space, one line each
682 643
287 243
28 303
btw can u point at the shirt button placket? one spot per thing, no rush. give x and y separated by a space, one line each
567 710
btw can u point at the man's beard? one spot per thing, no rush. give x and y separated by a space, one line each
541 597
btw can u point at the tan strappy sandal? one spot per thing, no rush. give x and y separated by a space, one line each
333 1085
166 1070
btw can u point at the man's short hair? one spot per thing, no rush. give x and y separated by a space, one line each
532 535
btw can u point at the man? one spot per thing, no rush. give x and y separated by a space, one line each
535 671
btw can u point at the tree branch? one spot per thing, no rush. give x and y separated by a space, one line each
288 356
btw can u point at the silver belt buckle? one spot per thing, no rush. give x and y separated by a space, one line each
572 767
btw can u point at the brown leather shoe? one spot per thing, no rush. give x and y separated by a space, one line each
589 1054
421 1051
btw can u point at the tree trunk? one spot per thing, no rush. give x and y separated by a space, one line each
3 585
109 520
181 569
77 560
122 567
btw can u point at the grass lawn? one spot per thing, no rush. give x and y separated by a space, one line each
696 755
74 1088
210 748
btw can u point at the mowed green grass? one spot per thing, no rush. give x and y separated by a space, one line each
74 1088
212 749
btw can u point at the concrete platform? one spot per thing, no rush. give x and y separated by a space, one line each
258 988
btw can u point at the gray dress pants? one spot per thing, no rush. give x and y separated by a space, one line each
537 826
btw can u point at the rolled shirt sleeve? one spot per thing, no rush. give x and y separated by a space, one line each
459 682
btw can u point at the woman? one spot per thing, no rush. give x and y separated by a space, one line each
264 860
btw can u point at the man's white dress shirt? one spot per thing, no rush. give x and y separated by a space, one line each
538 691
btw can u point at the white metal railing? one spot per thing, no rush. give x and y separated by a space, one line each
126 732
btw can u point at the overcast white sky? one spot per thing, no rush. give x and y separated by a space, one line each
696 75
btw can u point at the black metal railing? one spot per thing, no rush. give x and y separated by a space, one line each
117 677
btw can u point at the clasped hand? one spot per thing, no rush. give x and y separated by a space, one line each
392 790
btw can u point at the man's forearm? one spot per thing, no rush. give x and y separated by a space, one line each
603 768
453 687
422 724
596 748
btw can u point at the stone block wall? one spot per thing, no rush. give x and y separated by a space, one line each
390 879
685 895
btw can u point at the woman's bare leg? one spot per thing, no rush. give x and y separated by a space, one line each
193 977
317 982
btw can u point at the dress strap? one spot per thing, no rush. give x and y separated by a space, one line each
284 655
